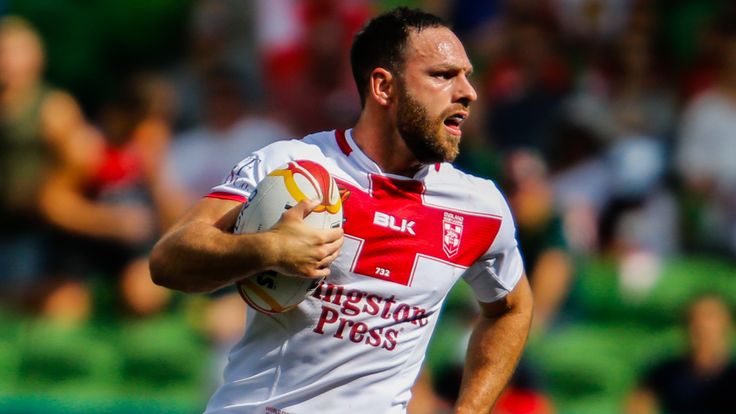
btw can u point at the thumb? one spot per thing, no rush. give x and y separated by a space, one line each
305 207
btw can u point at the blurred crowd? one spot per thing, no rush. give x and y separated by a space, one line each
609 124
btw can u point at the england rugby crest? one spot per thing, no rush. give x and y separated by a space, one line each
452 230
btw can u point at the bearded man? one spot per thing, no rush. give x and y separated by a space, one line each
357 344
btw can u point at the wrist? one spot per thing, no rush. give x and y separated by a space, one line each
270 247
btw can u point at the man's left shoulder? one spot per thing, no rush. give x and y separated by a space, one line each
465 190
446 173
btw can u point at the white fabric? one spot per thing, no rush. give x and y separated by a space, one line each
357 344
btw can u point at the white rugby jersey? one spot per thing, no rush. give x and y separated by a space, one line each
357 344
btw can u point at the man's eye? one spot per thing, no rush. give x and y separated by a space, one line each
443 75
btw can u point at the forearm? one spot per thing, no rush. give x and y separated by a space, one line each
551 284
73 213
201 254
198 257
493 352
62 204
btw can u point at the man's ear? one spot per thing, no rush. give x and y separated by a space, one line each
381 88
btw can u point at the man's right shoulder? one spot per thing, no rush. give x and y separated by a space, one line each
311 147
245 175
318 147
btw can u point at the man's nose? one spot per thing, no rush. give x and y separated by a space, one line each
465 92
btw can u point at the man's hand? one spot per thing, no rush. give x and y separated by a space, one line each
300 250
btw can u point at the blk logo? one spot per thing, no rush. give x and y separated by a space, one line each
390 222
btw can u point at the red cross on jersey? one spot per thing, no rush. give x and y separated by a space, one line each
394 227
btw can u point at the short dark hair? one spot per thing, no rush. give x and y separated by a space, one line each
381 42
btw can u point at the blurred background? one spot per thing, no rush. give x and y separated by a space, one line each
609 124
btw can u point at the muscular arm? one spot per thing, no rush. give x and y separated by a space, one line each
494 349
200 254
62 198
551 281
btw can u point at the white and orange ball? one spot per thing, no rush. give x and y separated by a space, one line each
271 292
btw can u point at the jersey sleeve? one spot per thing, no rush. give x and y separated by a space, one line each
241 181
244 177
497 272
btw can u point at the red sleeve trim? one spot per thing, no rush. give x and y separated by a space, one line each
342 142
227 196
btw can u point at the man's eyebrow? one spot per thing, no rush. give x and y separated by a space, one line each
450 67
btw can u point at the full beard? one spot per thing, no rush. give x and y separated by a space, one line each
425 137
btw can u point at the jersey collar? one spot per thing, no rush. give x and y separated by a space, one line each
348 147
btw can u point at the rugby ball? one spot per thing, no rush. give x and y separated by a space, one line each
271 292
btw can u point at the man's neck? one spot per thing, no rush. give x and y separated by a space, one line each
381 142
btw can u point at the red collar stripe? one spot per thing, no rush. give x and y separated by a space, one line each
342 142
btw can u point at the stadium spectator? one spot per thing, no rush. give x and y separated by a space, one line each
219 33
700 381
592 22
625 105
46 150
626 94
626 101
197 155
525 86
547 261
304 47
700 75
136 126
704 159
62 188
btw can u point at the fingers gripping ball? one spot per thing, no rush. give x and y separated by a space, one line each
271 292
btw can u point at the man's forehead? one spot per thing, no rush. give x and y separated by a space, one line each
437 45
